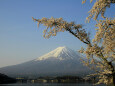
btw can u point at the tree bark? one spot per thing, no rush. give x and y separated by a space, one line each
113 78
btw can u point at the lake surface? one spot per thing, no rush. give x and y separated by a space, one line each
51 84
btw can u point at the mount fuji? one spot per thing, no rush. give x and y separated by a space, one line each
61 61
60 53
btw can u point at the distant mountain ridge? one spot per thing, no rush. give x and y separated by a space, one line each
62 61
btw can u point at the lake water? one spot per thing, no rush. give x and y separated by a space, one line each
51 84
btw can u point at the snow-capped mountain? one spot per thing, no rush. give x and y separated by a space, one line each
62 61
60 53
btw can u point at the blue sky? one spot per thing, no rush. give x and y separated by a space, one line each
20 38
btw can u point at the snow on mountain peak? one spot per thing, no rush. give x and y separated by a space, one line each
60 53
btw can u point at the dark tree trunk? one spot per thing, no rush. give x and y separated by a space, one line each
114 78
113 72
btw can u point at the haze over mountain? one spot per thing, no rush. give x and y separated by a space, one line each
61 61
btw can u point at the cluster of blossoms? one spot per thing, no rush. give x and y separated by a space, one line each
100 52
99 7
55 25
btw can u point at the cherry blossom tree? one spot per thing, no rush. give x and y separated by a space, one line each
100 51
